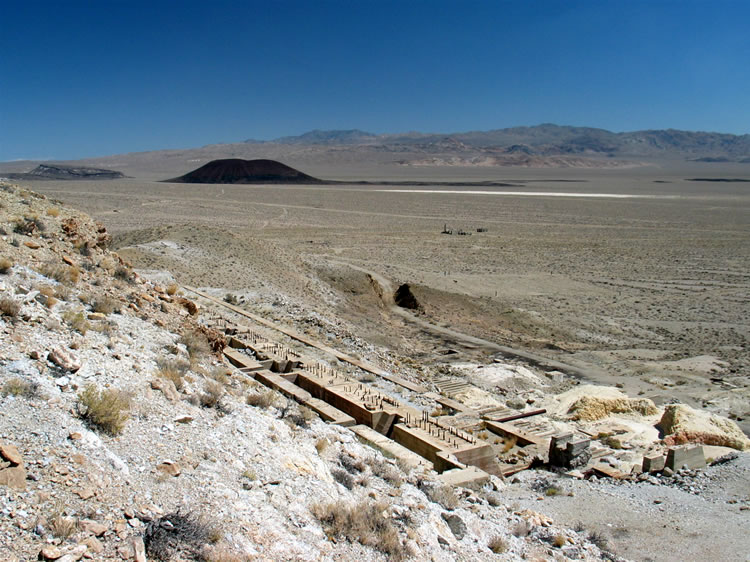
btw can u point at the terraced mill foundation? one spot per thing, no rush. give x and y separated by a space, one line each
400 430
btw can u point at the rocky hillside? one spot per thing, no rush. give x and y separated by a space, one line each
63 172
123 435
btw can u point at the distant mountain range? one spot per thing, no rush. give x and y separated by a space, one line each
545 140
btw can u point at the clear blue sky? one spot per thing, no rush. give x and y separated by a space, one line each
102 77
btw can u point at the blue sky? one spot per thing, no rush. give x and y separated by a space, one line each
93 78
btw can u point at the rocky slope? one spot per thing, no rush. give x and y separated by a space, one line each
123 436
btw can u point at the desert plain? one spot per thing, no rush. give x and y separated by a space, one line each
636 277
631 277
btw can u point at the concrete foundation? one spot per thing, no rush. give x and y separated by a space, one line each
687 456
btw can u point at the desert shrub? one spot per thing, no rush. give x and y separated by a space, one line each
443 495
612 442
29 225
343 478
230 298
552 491
352 465
321 445
302 417
212 394
61 273
497 544
173 370
9 307
106 410
59 525
172 289
493 499
53 212
559 541
15 243
261 399
521 529
77 320
19 387
363 523
385 470
179 536
62 292
105 304
5 265
196 343
599 539
221 375
124 274
366 377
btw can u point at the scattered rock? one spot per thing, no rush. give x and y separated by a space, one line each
94 527
11 454
167 388
456 524
169 467
64 359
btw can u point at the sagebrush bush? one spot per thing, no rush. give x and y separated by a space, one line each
363 523
173 370
261 399
5 265
19 387
497 544
444 495
124 274
9 307
196 343
385 470
105 304
67 274
77 320
212 394
180 536
106 410
172 289
53 212
343 478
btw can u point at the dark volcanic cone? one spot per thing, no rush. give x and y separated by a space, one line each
236 170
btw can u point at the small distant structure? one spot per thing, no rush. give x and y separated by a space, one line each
481 229
446 230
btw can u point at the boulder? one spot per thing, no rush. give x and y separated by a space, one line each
456 524
169 467
64 359
13 477
11 454
682 424
167 388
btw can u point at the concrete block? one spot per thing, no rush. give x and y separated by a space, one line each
469 477
653 463
687 456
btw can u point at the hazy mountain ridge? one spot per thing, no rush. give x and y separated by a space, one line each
549 139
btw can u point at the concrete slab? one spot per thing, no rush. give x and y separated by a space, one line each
469 477
390 448
329 413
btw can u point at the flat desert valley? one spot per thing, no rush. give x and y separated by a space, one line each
635 277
